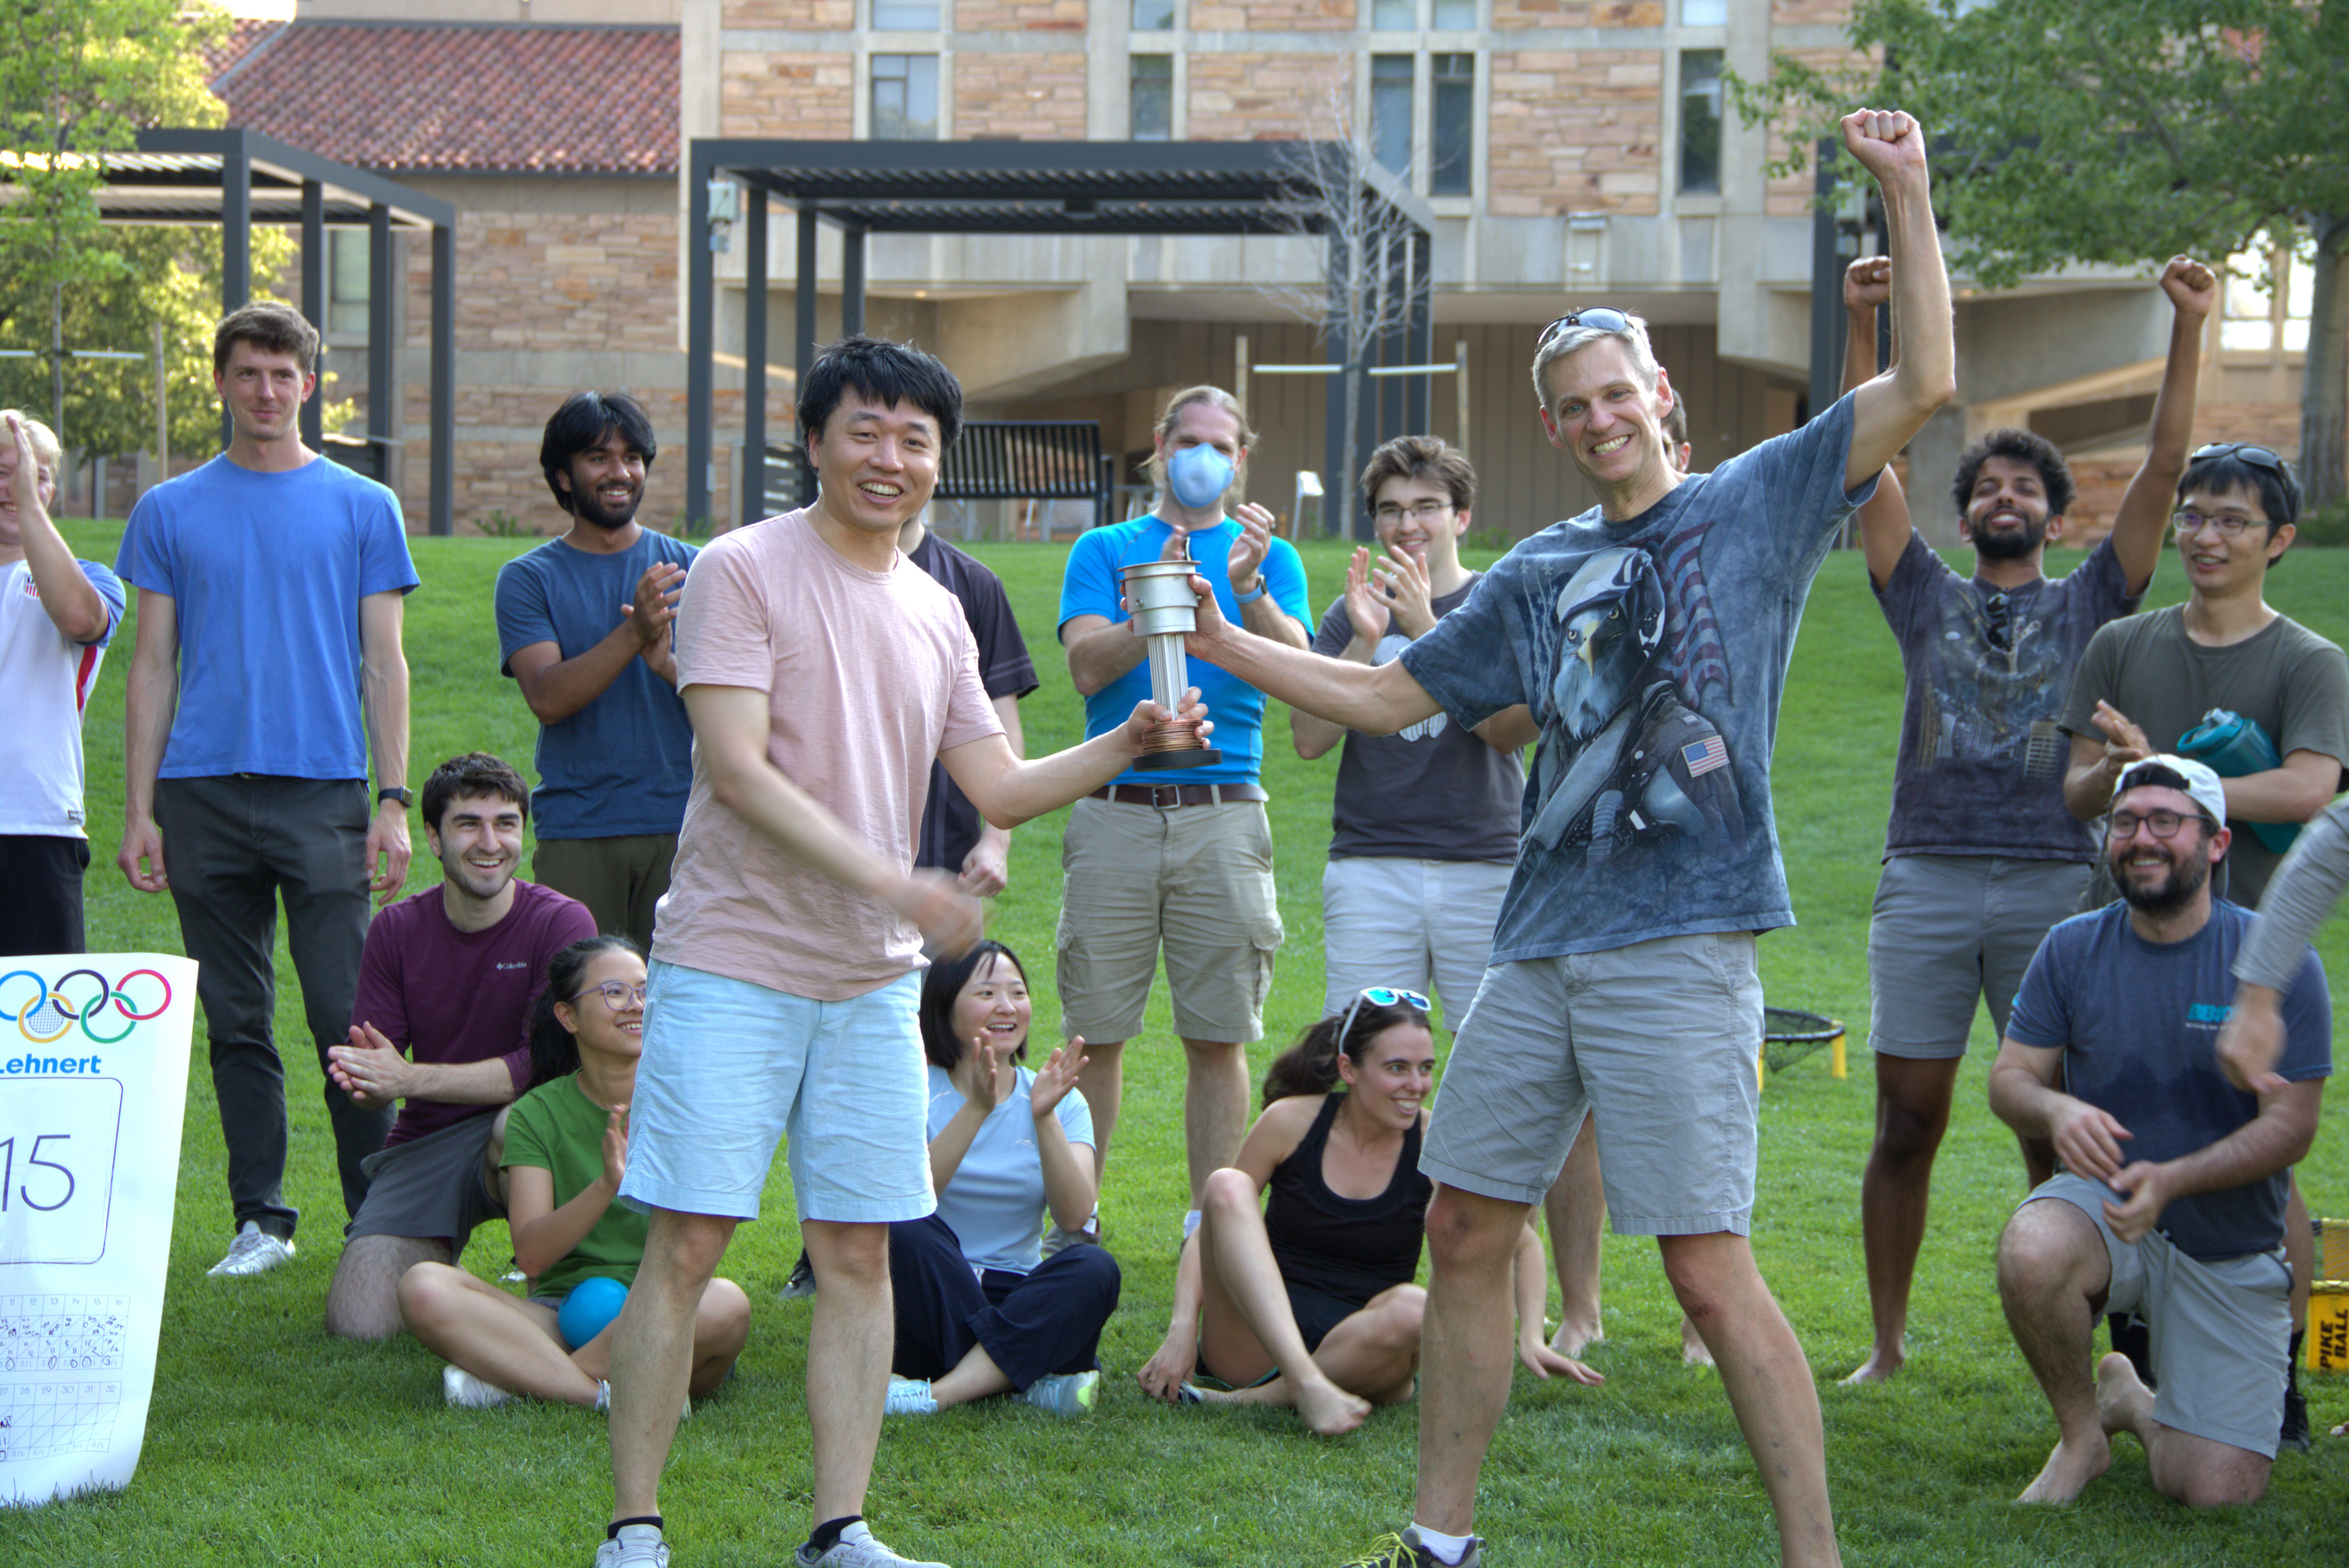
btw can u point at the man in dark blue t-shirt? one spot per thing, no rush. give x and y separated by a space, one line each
1980 856
2170 1201
1649 637
583 630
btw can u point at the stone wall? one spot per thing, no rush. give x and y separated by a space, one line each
798 15
1020 16
1574 131
1019 98
1242 97
1512 14
795 96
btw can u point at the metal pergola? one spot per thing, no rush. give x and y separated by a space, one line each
864 188
237 178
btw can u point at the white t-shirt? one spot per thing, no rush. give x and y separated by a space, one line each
996 1200
44 682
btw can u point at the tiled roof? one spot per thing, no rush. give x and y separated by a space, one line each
461 96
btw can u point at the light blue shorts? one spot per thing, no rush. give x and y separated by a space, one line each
729 1068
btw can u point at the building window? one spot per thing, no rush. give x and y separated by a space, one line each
1395 15
2266 300
1454 16
1150 84
1391 106
1700 122
905 15
1154 16
904 97
347 283
1704 12
1454 78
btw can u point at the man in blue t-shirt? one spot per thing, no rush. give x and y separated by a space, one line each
267 665
2170 1201
584 629
1980 856
1182 858
1649 636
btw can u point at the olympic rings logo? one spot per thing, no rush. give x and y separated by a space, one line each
53 999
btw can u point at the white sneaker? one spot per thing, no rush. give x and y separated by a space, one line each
253 1251
636 1546
867 1553
908 1397
1065 1393
466 1392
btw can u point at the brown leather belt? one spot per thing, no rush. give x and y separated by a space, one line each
1165 795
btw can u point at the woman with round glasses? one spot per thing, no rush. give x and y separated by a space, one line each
1309 1301
566 1145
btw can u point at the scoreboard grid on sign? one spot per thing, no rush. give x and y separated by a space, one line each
61 1364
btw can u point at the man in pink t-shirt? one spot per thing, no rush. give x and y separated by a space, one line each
824 672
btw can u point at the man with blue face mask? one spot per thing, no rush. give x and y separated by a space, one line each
1182 859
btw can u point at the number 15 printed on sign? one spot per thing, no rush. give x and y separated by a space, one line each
58 1142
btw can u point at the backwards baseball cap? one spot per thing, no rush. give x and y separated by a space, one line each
2172 772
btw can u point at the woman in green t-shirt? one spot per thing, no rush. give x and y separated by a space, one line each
565 1147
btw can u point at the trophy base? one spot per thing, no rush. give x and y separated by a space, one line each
1195 757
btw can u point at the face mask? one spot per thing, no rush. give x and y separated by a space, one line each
1198 475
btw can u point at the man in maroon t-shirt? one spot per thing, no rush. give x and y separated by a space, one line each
441 1025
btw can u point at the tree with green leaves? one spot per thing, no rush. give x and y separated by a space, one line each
2084 130
77 79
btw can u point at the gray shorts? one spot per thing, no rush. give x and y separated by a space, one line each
1659 1038
431 1188
2221 1328
1950 931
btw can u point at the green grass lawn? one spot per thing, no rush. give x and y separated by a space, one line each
271 1443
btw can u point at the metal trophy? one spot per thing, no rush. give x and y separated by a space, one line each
1164 610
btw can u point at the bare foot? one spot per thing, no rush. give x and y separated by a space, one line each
1880 1365
2124 1404
1329 1410
1694 1352
1574 1336
2068 1471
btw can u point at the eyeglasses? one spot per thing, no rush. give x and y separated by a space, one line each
2227 525
1603 318
616 994
1418 511
1379 997
2165 824
2258 457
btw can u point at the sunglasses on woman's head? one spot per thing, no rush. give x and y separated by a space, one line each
1379 997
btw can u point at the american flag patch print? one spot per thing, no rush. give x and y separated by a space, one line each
1704 756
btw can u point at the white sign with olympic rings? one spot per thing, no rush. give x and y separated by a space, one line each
93 1086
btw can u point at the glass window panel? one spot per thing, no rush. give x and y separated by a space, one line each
2295 335
1453 166
1391 106
904 97
1151 82
1456 15
1701 121
1395 15
346 281
1154 16
2303 292
1704 12
2259 336
906 15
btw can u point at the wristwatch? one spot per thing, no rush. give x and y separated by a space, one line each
405 798
1252 596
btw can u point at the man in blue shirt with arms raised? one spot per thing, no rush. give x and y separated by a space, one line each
1649 636
1181 857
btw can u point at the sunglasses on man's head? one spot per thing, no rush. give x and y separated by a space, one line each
1380 996
1604 318
2258 457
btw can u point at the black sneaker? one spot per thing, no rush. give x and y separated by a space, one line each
1405 1550
802 1283
2295 1433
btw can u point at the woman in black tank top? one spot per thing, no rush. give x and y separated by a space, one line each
1309 1300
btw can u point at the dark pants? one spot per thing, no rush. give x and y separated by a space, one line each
1031 1324
41 894
232 845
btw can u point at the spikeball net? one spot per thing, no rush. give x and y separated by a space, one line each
1789 1034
